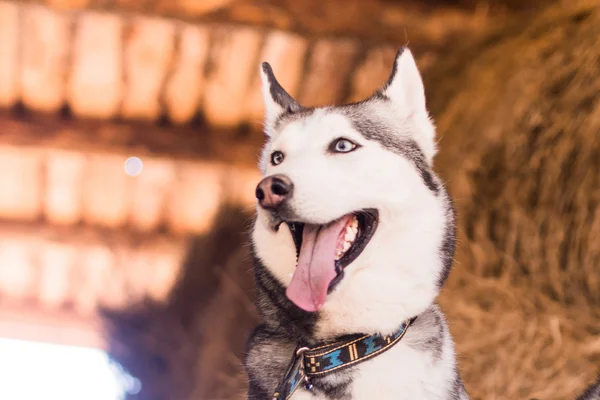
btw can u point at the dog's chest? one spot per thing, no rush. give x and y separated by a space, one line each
400 373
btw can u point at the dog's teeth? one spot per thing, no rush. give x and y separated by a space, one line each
346 246
351 232
350 236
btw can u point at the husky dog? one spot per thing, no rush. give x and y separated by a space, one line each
353 239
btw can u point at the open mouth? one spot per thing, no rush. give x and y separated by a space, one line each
323 251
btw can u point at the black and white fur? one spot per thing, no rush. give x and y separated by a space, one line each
399 273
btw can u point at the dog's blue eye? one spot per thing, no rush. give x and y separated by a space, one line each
277 157
342 146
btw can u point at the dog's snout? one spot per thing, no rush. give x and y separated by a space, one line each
272 191
280 187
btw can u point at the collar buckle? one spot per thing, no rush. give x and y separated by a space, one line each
301 351
300 355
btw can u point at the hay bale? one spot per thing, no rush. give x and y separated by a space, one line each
592 393
519 120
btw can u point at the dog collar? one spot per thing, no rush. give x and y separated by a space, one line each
308 363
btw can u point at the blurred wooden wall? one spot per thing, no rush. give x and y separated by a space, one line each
136 264
85 86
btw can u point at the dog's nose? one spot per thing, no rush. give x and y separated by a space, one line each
272 191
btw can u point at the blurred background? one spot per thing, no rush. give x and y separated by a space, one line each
129 134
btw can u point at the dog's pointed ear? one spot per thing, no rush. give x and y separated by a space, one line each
405 86
277 100
404 89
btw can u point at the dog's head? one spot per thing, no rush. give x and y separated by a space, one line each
351 218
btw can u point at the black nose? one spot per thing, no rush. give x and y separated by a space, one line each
272 191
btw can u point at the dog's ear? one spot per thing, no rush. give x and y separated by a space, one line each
405 86
405 90
277 100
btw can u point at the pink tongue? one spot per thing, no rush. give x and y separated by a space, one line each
316 265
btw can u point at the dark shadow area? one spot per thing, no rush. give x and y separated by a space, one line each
192 346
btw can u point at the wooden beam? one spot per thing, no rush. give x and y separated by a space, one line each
182 143
108 65
85 234
70 171
84 268
50 326
368 19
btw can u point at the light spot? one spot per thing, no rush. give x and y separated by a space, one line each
133 166
32 370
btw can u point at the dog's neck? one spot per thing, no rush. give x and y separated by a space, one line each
281 315
310 339
328 358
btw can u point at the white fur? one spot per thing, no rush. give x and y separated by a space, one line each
416 374
272 109
404 249
408 96
396 275
414 377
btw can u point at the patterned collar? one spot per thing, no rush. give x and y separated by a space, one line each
308 363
